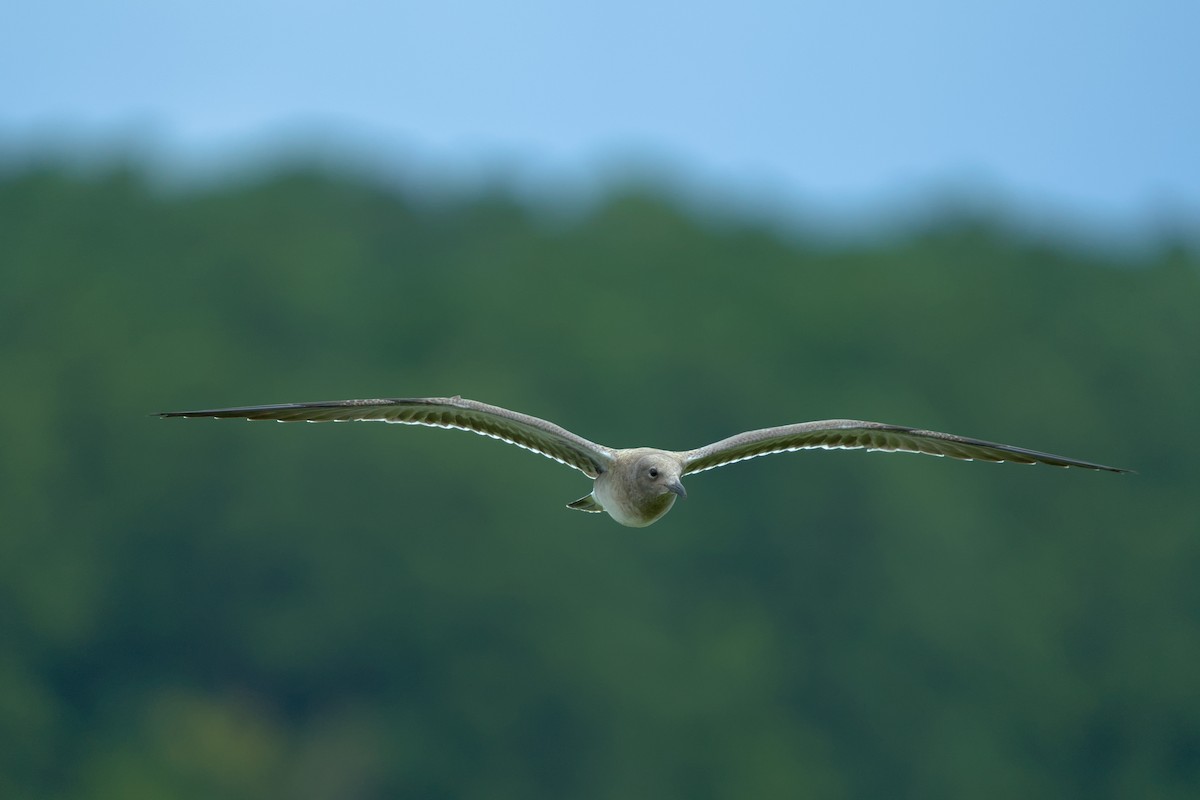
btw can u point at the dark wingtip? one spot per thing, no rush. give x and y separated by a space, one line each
1103 468
185 414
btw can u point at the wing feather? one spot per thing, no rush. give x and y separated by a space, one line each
850 434
522 430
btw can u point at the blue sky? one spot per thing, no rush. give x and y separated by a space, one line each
1086 110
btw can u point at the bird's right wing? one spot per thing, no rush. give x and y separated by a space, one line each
522 430
851 434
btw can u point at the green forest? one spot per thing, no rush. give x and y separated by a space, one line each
222 609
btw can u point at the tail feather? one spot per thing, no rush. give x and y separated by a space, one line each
587 503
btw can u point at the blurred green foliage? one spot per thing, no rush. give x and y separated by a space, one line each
201 609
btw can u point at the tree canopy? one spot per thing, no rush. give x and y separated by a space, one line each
205 608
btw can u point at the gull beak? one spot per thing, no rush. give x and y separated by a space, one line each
676 487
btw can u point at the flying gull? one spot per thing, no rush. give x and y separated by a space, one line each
637 486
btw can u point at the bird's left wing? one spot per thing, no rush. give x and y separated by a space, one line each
850 434
522 430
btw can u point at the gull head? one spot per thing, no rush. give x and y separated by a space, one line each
652 486
641 486
657 474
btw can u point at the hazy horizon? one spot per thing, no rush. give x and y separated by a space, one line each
1068 119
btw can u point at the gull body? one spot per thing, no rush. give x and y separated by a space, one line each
637 486
640 486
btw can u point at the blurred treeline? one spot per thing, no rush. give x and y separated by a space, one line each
204 609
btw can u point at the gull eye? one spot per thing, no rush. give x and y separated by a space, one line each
653 472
